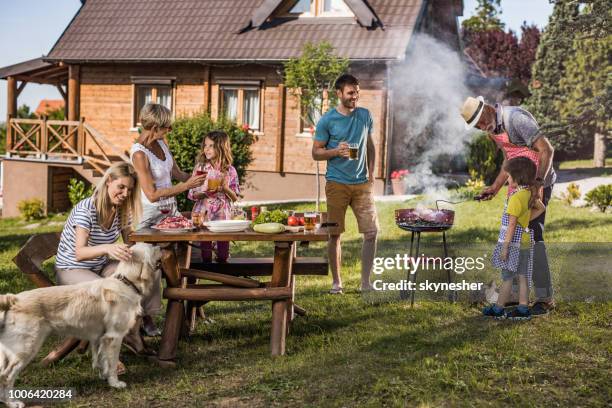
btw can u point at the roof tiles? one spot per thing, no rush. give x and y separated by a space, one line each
210 30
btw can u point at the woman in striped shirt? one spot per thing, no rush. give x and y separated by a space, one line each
88 247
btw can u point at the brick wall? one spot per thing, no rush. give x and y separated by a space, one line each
107 99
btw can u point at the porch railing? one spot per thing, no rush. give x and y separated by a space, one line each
61 140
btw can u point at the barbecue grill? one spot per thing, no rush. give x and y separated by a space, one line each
416 221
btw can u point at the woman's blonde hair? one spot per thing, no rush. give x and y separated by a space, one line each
155 115
131 207
222 148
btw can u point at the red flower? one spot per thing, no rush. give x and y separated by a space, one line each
245 127
399 174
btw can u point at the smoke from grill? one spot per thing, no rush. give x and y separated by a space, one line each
431 85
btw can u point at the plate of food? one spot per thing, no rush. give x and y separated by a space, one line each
176 223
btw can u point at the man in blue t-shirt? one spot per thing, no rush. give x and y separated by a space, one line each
344 139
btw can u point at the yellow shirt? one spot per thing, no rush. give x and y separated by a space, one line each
518 206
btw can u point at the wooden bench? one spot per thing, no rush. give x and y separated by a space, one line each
263 266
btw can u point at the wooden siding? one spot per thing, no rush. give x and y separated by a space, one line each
107 97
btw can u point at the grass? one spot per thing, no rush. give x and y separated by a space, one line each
582 164
373 351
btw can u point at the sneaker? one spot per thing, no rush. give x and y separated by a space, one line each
541 308
494 311
520 313
336 291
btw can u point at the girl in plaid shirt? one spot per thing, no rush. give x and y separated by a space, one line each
513 253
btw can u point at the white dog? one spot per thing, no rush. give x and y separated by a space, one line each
101 311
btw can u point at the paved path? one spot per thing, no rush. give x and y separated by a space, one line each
586 179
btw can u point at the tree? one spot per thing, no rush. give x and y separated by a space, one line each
527 49
586 88
555 49
24 112
311 79
56 114
500 53
495 51
486 17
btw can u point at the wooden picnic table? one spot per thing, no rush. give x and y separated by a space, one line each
279 290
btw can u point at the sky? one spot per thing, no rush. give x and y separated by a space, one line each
29 29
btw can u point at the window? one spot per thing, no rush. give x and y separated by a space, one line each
336 7
302 6
311 117
241 104
320 8
151 93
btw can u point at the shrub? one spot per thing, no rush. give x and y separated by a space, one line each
186 138
32 209
572 193
600 196
483 158
77 191
472 187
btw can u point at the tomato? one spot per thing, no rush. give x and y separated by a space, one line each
301 220
293 221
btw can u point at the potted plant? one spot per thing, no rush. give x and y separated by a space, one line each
397 181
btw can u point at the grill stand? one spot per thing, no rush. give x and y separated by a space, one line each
452 295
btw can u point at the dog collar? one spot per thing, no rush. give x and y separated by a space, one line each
129 283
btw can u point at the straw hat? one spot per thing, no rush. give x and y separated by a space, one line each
471 110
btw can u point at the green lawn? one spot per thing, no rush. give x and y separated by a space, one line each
375 351
581 164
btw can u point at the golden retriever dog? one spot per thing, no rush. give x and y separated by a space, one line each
100 311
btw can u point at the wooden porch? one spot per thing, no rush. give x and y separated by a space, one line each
60 141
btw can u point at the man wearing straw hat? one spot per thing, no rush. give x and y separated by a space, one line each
516 133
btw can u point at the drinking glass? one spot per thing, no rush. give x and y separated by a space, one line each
165 208
310 219
353 151
215 178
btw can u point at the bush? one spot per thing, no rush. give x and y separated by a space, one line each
32 209
472 188
483 158
186 138
77 191
572 193
600 197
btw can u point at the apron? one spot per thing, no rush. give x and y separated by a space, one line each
512 151
514 248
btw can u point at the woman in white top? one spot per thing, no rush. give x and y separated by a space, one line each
156 167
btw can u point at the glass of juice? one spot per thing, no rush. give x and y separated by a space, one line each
310 219
215 178
196 219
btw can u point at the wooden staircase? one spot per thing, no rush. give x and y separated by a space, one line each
90 173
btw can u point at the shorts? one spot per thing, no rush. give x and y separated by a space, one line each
359 197
523 266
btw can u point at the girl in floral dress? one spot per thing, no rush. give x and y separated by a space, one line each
215 197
